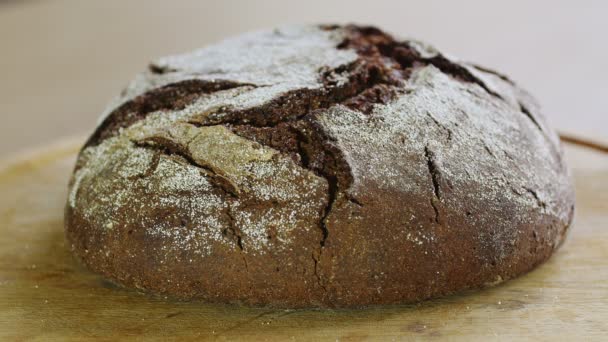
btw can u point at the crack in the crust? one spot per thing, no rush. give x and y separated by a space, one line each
174 96
487 148
218 181
235 233
368 85
369 40
307 160
504 175
513 188
316 260
332 192
539 202
522 108
152 166
527 113
171 150
306 139
436 210
354 200
290 106
554 149
435 175
493 72
332 181
433 171
440 125
505 178
459 72
168 148
304 158
232 228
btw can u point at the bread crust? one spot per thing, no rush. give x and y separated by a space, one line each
332 166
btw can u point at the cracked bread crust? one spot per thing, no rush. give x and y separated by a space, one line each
331 166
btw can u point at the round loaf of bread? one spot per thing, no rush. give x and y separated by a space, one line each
318 166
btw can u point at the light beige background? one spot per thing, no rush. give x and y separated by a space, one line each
62 60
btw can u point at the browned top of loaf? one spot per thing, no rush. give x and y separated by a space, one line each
250 145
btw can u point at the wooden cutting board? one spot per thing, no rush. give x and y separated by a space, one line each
45 294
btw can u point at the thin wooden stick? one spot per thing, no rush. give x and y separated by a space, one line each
583 142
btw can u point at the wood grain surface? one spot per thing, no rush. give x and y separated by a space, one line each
46 295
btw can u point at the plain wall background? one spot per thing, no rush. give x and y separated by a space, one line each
62 60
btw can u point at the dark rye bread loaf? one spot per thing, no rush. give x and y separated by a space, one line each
318 167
